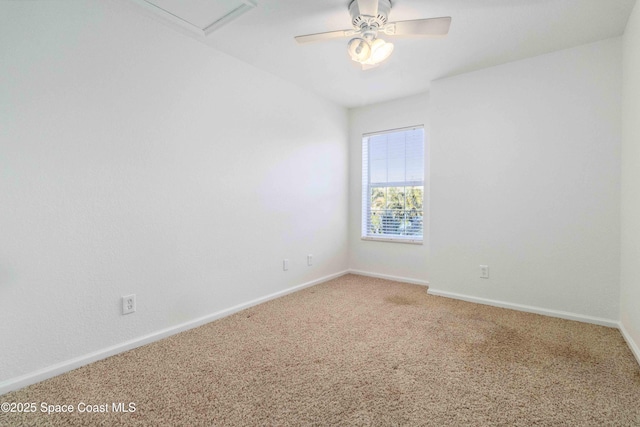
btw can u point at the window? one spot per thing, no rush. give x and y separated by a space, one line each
393 185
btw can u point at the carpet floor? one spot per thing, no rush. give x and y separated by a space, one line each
357 351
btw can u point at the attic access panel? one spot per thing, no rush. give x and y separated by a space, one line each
202 16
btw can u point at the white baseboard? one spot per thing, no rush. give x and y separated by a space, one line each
69 365
528 308
389 277
633 346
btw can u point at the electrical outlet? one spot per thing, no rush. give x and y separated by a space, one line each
129 304
309 260
484 271
285 265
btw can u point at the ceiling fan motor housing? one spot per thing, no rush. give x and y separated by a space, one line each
358 20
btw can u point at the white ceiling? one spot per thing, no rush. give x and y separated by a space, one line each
483 33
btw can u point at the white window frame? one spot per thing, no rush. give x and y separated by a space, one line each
366 190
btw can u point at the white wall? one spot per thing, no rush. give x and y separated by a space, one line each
630 277
134 159
401 260
525 178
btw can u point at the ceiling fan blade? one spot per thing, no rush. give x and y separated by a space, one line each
311 38
432 27
368 7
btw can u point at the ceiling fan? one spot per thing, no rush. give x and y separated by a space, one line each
370 17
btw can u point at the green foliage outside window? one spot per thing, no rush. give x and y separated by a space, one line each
396 211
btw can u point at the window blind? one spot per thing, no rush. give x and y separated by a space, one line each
393 184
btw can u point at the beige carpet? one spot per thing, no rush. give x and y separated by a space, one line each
360 351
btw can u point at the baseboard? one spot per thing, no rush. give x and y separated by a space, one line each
69 365
527 308
389 277
633 346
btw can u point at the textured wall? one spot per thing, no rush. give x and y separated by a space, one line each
630 277
525 178
134 159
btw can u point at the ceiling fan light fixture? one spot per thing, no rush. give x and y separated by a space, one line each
359 49
380 50
368 19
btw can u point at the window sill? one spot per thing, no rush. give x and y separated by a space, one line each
392 240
